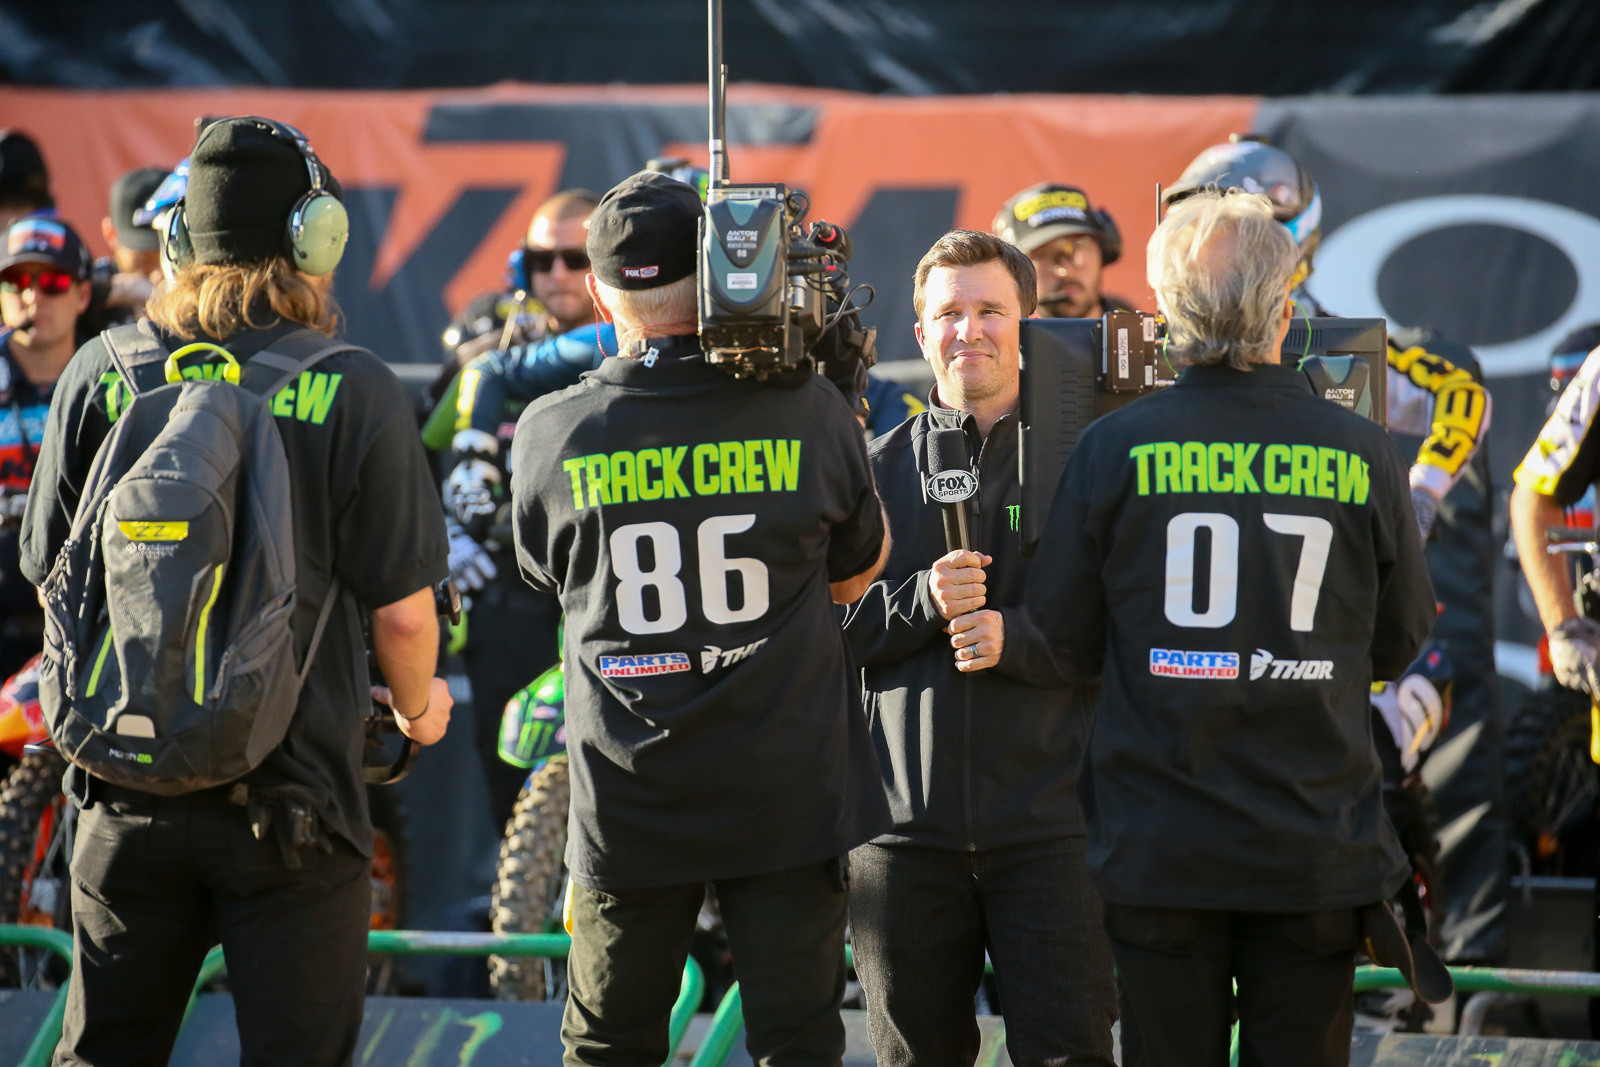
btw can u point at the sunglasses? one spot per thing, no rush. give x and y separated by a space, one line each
51 282
543 260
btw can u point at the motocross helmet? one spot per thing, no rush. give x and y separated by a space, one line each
1250 163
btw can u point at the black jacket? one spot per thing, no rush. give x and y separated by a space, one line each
1240 559
970 761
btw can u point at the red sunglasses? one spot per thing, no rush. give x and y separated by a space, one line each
51 282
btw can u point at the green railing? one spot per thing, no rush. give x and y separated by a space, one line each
395 942
729 1019
49 1032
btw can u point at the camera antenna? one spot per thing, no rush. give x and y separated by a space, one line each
719 99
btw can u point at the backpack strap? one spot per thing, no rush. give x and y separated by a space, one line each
335 591
131 347
288 357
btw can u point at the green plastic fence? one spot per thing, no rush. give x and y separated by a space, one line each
729 1019
397 942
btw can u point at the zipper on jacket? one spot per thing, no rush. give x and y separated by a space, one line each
971 756
972 822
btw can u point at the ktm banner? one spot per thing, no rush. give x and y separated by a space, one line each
440 186
1476 216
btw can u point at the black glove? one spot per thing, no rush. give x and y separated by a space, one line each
289 814
1574 647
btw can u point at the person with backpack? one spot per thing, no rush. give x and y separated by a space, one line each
223 495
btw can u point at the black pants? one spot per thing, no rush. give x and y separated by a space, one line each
921 919
157 881
1177 970
511 640
786 930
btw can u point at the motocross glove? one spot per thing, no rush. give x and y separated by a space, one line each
1426 506
470 566
1574 646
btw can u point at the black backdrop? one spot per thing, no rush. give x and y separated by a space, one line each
1270 47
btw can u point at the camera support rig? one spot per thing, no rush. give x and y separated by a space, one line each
769 288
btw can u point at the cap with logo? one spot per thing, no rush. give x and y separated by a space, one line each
645 233
42 241
128 195
1041 213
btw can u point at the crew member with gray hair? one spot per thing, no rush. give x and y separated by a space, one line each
1238 560
699 529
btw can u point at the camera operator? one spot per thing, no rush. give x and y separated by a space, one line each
1239 559
979 739
1070 242
698 529
44 289
277 865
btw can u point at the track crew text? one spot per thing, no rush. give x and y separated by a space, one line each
709 469
1250 467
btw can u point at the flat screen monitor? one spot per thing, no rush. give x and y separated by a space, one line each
1064 389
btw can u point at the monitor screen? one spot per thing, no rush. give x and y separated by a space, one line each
1065 388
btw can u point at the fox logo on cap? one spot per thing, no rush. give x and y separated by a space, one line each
640 272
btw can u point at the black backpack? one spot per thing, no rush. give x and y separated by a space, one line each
169 663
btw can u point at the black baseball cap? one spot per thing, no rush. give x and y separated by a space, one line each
244 181
1041 213
47 242
128 194
645 232
23 175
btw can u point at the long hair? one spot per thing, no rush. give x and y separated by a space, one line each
220 301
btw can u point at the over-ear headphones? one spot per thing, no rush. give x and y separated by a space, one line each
1110 236
314 233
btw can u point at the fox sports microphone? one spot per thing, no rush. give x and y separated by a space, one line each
951 483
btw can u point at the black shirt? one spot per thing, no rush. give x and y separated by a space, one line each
365 510
691 523
1241 559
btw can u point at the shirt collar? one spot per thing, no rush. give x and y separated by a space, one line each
1260 376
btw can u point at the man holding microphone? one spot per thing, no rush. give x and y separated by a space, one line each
979 739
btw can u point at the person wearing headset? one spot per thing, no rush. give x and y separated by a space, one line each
1070 242
277 864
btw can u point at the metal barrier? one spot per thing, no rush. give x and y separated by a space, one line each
395 942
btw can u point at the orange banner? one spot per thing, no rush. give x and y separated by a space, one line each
433 243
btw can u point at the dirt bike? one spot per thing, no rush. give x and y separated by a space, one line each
1553 745
531 881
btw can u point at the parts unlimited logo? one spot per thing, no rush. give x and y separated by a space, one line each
1179 663
639 666
1305 670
